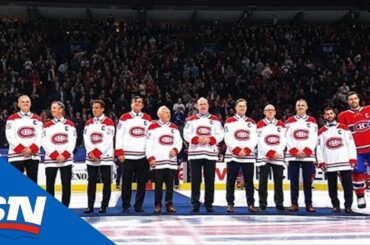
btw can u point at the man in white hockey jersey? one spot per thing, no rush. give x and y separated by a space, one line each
241 141
98 138
130 151
301 139
203 132
59 140
271 145
336 155
23 133
163 144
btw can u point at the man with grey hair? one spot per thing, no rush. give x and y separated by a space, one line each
302 137
23 133
271 145
163 144
203 132
59 140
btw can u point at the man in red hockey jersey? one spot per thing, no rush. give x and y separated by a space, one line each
357 118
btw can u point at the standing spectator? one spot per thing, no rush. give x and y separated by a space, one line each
59 141
98 138
357 119
203 132
179 104
130 151
23 133
301 138
163 144
336 155
241 140
271 145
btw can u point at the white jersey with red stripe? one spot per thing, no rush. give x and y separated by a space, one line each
23 130
271 140
161 139
130 137
358 123
336 147
59 138
98 139
240 134
301 135
203 126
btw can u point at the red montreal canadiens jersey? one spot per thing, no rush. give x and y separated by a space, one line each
358 123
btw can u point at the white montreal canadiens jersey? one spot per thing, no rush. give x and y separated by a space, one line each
161 139
203 126
98 139
240 135
23 131
302 134
131 135
336 148
59 138
271 140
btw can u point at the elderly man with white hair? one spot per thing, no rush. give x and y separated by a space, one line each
163 144
203 131
271 145
23 133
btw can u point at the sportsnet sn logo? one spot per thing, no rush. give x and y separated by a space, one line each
19 217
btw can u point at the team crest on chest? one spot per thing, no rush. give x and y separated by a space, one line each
241 134
334 143
272 139
59 138
137 132
203 130
96 138
301 134
26 132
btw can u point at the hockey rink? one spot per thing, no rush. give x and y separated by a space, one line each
227 228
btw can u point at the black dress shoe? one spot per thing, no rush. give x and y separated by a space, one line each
281 208
348 210
125 210
210 209
102 210
157 209
88 211
335 210
195 209
262 207
139 210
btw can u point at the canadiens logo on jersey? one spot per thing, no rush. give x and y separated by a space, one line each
166 139
26 132
301 134
272 139
60 138
241 134
361 126
334 143
137 132
96 138
203 130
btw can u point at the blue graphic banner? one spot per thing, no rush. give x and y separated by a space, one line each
29 215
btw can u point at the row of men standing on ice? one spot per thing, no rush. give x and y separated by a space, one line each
142 144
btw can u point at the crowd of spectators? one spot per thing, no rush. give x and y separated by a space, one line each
173 64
